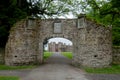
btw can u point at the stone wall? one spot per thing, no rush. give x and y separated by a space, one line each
116 55
2 53
21 48
92 43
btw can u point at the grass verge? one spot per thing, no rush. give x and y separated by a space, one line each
114 69
67 54
47 55
9 78
4 67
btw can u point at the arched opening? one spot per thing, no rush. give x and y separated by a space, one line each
58 47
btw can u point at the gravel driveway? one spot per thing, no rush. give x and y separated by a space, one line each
57 67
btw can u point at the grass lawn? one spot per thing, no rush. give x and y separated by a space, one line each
47 54
9 78
67 54
114 69
4 67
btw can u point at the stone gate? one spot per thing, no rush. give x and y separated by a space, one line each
92 44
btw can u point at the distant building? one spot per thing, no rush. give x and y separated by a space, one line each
59 47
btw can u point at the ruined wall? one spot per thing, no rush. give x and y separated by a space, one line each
2 54
22 44
91 42
116 55
94 46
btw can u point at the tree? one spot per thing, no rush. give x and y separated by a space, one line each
103 11
107 13
12 11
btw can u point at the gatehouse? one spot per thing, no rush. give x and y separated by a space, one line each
92 43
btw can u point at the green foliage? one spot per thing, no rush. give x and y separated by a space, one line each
49 8
116 47
107 13
9 78
10 13
67 54
114 69
4 67
116 35
47 55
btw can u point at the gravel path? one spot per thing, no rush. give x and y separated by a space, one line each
57 67
103 76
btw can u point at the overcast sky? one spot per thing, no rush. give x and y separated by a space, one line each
68 16
63 40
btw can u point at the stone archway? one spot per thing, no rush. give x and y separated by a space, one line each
92 45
